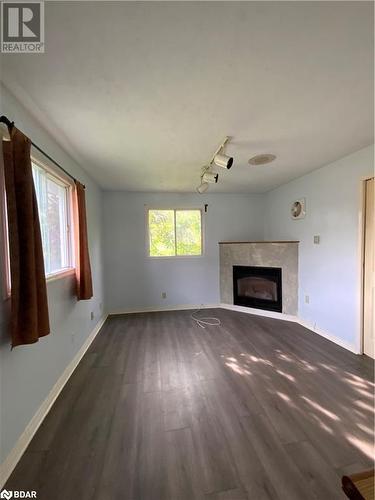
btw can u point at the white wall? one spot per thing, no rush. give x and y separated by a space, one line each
134 281
28 373
328 272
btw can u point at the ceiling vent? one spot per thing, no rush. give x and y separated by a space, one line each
261 159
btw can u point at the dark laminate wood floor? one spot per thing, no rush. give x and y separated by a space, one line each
161 409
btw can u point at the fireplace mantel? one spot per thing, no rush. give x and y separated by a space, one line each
281 254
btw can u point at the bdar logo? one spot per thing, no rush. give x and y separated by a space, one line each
6 494
17 494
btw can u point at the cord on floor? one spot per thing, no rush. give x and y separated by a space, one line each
205 321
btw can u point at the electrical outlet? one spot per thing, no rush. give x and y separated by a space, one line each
307 299
92 315
317 239
163 295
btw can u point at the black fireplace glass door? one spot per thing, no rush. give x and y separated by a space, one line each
258 287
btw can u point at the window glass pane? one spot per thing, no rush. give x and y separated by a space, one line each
188 232
56 226
40 183
161 233
53 216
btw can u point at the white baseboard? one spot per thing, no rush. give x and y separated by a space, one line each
259 312
329 336
184 307
23 441
295 319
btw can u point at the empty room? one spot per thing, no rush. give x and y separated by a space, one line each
187 250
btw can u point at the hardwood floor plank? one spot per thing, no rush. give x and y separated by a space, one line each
184 477
213 457
281 470
237 494
121 453
151 368
151 467
320 478
252 475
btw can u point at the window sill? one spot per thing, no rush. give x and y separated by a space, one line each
51 277
60 274
173 257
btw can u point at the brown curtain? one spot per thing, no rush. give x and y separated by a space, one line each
83 267
29 307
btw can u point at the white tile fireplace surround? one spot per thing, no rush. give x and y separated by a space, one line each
280 254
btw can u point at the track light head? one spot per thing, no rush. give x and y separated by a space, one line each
224 161
202 188
210 177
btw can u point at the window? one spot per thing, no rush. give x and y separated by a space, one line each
54 206
175 233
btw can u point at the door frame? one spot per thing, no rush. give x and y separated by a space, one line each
361 259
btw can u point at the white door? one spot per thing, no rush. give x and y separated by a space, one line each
369 271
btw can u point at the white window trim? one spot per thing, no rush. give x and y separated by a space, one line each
173 257
63 180
62 273
5 246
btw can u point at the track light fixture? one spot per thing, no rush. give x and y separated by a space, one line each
202 188
210 177
221 160
207 177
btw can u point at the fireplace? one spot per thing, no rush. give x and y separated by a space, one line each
258 287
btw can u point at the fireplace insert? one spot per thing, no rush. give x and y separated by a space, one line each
258 287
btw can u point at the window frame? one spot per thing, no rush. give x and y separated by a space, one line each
174 208
62 179
5 260
66 182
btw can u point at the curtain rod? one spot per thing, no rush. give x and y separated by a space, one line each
10 125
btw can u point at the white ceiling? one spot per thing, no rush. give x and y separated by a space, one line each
142 93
